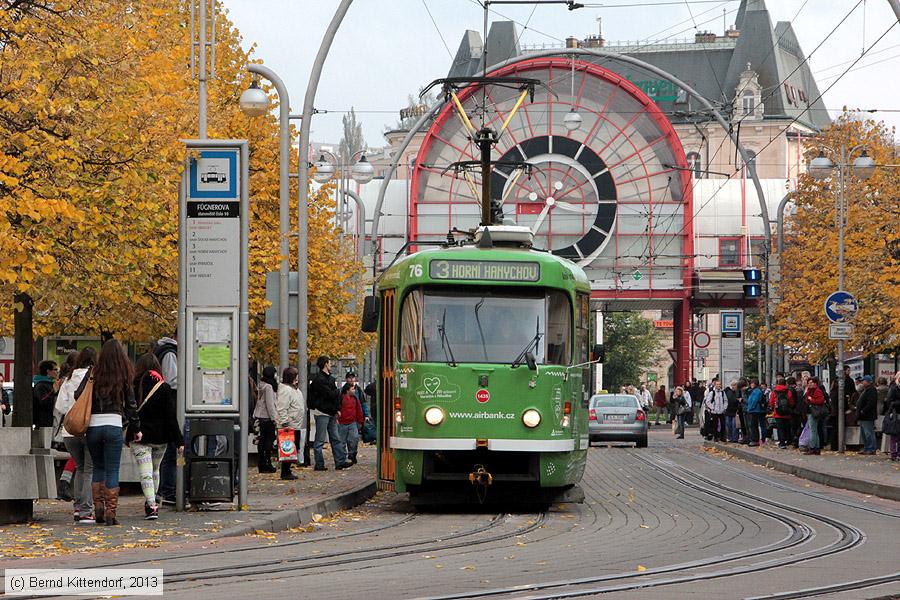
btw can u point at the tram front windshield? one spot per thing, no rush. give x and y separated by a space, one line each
480 325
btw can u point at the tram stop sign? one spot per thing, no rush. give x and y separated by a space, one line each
841 307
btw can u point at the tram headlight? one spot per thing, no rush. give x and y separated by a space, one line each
434 416
531 418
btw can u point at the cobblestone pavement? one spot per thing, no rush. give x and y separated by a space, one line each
53 533
668 521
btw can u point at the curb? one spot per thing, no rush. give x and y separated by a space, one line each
294 517
889 492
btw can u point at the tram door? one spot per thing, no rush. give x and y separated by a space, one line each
387 358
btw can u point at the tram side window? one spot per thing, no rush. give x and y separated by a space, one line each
582 324
559 329
412 340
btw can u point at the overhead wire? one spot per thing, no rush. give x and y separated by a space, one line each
438 29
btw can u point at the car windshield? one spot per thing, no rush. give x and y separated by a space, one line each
483 325
624 401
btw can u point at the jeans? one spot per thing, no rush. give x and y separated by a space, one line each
784 431
679 430
867 429
167 472
84 499
349 437
813 432
731 432
105 445
327 426
758 428
148 458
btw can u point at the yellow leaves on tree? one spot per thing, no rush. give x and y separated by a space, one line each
871 247
96 97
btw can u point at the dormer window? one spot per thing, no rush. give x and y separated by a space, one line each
748 103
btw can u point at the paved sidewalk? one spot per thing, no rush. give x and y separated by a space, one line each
274 505
875 475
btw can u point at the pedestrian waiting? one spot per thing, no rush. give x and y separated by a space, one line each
817 411
159 426
291 408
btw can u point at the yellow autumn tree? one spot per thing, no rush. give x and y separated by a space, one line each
96 97
871 247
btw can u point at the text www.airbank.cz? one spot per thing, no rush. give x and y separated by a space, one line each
482 415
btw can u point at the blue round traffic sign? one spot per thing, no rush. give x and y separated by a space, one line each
841 307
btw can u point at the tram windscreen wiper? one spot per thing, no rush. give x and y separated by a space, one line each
531 344
445 341
480 330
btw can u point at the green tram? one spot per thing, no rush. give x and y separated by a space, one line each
484 371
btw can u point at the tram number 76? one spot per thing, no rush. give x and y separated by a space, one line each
415 270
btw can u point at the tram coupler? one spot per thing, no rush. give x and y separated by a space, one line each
481 477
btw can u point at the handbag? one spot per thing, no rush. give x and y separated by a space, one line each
891 423
143 402
287 447
78 418
819 411
368 432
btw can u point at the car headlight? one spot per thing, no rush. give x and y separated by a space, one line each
531 418
434 416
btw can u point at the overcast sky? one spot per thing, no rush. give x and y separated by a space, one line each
387 49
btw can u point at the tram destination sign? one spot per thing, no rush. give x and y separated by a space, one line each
485 270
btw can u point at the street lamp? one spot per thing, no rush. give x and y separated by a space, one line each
572 120
361 172
254 102
822 168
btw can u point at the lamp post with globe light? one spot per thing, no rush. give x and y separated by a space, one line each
822 168
254 102
361 172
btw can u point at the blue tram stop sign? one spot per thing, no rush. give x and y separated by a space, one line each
841 307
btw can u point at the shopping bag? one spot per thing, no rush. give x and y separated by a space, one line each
287 447
804 436
78 418
368 432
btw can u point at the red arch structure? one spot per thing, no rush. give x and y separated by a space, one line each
637 247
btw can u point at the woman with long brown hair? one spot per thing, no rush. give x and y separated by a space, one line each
113 400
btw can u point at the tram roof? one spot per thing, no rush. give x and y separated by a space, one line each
554 271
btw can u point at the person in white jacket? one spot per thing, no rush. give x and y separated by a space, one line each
291 408
715 402
77 446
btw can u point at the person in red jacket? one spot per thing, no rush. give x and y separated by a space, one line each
783 404
350 420
815 400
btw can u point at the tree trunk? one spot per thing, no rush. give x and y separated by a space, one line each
24 361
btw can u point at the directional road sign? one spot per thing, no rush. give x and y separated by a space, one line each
841 307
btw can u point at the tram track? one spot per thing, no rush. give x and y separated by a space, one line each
346 557
848 537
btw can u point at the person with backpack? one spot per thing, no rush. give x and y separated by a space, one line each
43 393
818 410
291 410
112 404
783 404
266 413
325 402
159 424
76 446
716 403
166 352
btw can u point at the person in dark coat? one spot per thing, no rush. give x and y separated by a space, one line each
866 413
43 393
159 424
731 410
893 405
325 402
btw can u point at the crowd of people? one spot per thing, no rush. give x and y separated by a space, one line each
134 405
798 411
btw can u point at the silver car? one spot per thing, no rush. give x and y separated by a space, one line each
617 418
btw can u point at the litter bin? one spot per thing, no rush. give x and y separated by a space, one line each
210 460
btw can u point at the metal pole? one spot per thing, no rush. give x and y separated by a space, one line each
284 208
840 344
244 327
303 186
201 75
181 355
780 249
361 220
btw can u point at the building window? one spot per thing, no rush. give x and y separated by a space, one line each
729 252
748 102
693 162
758 253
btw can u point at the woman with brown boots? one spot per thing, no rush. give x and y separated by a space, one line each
113 401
